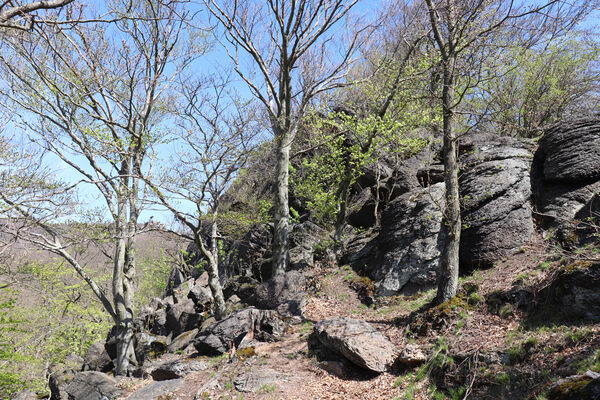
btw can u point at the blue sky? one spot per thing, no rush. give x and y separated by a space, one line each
216 60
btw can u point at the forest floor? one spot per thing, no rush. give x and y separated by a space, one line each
478 346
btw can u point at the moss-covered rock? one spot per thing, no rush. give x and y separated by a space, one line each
440 315
575 293
576 387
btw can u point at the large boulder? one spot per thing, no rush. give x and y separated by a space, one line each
410 241
358 341
264 325
575 291
92 385
284 293
566 178
97 358
403 256
495 193
182 317
177 369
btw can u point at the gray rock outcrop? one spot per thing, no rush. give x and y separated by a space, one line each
495 193
410 241
284 293
358 341
265 325
576 291
403 255
177 369
92 385
566 178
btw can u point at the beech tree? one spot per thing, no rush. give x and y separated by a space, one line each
289 46
463 32
93 96
217 135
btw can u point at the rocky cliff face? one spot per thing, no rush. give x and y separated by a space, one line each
410 241
496 191
402 256
566 179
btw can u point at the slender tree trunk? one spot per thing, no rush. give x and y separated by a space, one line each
343 194
124 271
448 279
281 258
377 196
340 218
213 274
123 305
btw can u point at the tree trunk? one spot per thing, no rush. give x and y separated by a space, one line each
448 279
343 194
213 275
281 257
340 218
123 307
124 272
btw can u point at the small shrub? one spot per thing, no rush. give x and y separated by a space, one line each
544 265
516 354
503 379
474 299
457 394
